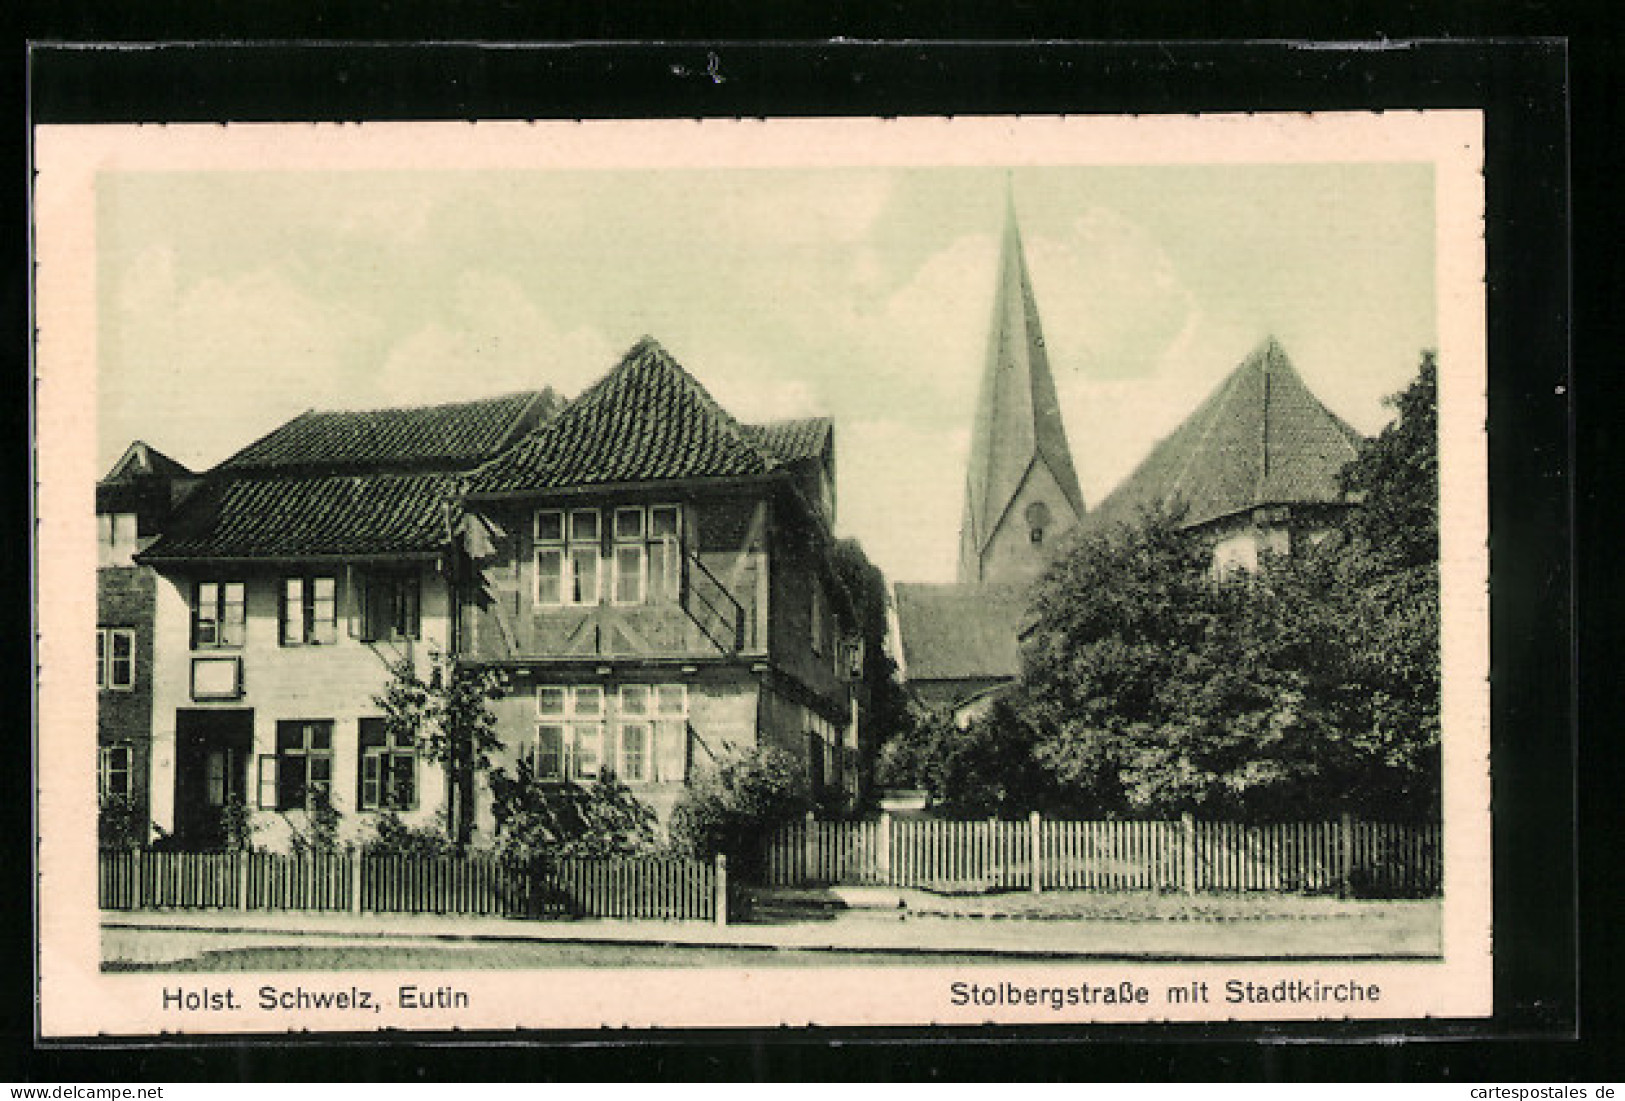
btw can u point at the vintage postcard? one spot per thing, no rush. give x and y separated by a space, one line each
921 571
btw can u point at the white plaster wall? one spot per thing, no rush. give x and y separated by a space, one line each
336 682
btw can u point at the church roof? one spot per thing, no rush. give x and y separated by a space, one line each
1018 417
647 420
1261 438
960 631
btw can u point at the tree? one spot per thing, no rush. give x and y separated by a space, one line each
734 806
884 709
449 717
1306 687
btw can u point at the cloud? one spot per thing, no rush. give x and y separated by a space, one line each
900 488
807 211
492 339
200 368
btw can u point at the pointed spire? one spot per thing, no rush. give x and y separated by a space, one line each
1018 427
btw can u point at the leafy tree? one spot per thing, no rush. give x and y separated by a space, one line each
320 835
1396 478
1306 687
885 712
449 717
734 806
988 768
538 819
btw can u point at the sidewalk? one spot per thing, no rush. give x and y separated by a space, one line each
1389 929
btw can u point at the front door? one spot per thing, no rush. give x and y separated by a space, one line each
212 750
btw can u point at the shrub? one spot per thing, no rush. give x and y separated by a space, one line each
393 837
121 822
321 832
735 806
536 819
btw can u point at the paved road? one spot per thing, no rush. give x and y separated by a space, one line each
233 940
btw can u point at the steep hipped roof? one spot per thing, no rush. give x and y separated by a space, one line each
1018 418
345 483
959 631
1261 438
647 420
431 436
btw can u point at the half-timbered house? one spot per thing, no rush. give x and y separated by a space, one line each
654 578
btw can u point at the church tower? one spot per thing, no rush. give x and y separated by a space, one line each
1021 490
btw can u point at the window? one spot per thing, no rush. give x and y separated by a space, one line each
115 658
630 556
309 611
640 733
389 767
665 552
300 775
1037 515
567 568
569 733
218 614
113 771
390 607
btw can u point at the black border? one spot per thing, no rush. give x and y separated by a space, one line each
1521 85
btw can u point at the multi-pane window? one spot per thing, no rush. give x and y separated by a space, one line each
640 733
569 732
390 607
309 611
631 557
115 658
300 775
219 614
644 555
665 552
568 546
113 771
389 766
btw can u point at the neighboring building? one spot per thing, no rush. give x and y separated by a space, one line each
132 504
1256 468
957 643
294 576
655 579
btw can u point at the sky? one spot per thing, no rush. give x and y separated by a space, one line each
229 302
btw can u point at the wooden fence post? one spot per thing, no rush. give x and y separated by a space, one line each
722 889
242 878
1036 832
809 849
1345 835
883 849
355 880
136 868
1188 825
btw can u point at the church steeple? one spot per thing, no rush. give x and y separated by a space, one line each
1021 489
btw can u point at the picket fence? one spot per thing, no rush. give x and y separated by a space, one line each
1347 856
658 886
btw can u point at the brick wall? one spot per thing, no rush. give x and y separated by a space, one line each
125 598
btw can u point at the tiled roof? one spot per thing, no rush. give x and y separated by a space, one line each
144 481
960 631
345 483
793 441
298 515
647 420
459 434
142 462
1262 438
